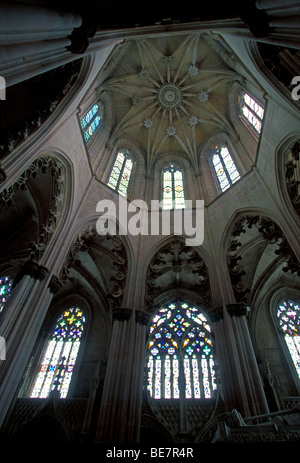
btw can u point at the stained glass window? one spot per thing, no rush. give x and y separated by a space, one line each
173 190
224 167
288 315
121 172
5 290
92 120
180 355
252 111
60 355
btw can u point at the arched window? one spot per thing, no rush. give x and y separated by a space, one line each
252 112
224 167
121 172
60 355
172 188
180 357
288 316
5 290
92 120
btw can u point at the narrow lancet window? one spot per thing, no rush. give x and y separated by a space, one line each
288 315
225 168
173 189
252 112
121 172
92 120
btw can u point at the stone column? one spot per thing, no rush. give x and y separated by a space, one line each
252 400
137 378
34 39
20 325
120 412
110 423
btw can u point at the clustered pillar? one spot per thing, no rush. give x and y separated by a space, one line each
242 385
119 419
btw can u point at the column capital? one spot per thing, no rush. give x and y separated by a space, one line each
121 313
54 284
33 269
216 314
236 310
142 318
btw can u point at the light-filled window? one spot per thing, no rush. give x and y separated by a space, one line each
180 354
60 355
252 112
121 172
91 121
172 188
5 290
288 316
224 167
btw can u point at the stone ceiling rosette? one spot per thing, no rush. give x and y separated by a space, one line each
169 94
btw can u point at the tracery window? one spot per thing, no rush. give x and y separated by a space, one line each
172 188
92 120
181 361
225 168
121 172
5 290
252 112
60 355
288 315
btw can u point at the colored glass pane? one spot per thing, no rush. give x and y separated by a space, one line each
91 121
173 190
60 355
252 111
121 172
225 169
180 332
5 290
288 314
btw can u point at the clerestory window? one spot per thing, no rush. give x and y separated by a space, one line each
252 112
224 167
121 172
91 121
172 188
288 317
60 354
180 354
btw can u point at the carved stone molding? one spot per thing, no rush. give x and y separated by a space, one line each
44 165
177 267
54 284
118 255
292 176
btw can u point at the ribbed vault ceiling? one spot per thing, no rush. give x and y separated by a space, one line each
169 94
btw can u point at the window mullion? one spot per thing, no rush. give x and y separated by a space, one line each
225 169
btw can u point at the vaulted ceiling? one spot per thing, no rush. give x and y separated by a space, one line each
168 94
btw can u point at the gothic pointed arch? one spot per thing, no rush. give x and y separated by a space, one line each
33 207
256 247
